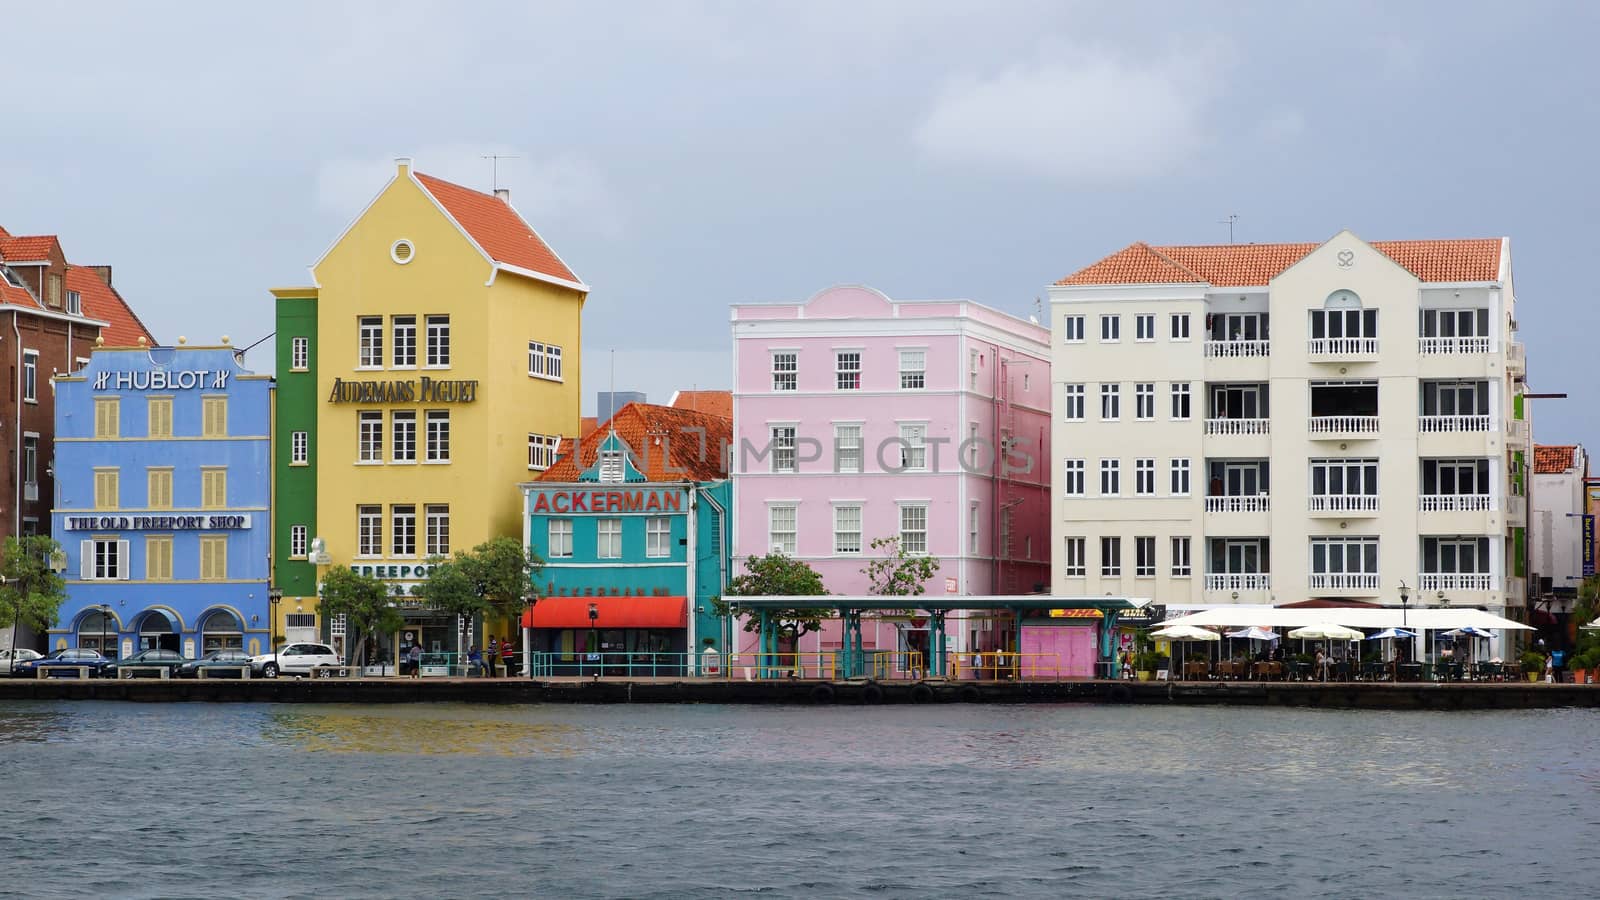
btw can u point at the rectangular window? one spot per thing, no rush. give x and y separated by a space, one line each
1144 401
109 559
297 541
1181 566
1343 330
299 354
53 290
1178 326
1110 478
1110 402
1073 478
213 557
405 342
560 539
544 360
972 530
608 538
438 529
657 537
847 370
847 529
1179 486
1144 557
1455 477
369 351
106 489
30 460
1455 398
1110 557
213 417
781 529
299 448
1072 329
1073 407
1344 562
158 488
1455 323
1344 478
543 449
369 435
403 530
158 558
847 448
611 466
783 448
403 426
785 370
1181 409
438 435
439 344
1144 327
158 417
74 303
369 531
213 487
914 528
1110 329
1076 562
30 375
107 417
914 447
1144 477
913 370
1456 556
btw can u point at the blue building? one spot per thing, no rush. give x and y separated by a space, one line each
633 528
163 474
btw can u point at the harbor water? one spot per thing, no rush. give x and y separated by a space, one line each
440 800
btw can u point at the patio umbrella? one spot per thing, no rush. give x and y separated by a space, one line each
1255 633
1474 632
1185 633
1592 626
1392 633
1326 631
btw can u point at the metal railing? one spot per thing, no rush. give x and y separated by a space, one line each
1238 581
1446 346
1003 666
1239 503
554 664
1455 503
1450 424
1343 503
1342 581
1238 426
1349 346
1233 349
1445 581
1332 425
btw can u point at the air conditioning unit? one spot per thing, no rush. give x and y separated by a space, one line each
30 491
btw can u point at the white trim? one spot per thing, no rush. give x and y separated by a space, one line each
539 276
396 246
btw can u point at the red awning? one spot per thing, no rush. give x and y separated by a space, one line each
613 612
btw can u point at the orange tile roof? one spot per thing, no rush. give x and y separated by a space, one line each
639 425
101 301
1552 460
497 228
587 425
31 248
716 403
1254 265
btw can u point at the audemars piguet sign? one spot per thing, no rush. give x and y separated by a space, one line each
423 390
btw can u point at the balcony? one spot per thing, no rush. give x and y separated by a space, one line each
1455 503
1253 581
1238 349
1257 503
1342 426
1344 503
1452 424
1516 510
1238 426
1517 431
1516 358
1455 582
1342 581
1452 346
1328 349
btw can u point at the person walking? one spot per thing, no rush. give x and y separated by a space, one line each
414 659
508 656
492 655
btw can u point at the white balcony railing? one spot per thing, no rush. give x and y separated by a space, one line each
1231 349
1452 346
1238 426
1455 503
1258 503
1253 581
1338 425
1360 346
1343 581
1446 581
1344 503
1452 424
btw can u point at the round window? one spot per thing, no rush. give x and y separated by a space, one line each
401 252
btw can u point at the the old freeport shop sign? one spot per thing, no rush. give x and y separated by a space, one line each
423 390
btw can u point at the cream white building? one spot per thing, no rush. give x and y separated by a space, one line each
1271 423
1560 503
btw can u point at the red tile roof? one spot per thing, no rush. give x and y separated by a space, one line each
497 228
587 425
101 301
640 425
1552 460
716 403
31 248
1254 265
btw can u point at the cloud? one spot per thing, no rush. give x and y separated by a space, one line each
1093 117
1281 127
563 189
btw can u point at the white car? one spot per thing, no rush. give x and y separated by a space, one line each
294 659
9 658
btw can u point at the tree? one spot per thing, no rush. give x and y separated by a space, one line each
501 571
776 575
364 603
33 592
450 590
898 573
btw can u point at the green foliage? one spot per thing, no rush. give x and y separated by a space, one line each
449 590
501 572
32 594
898 573
776 575
363 601
1532 661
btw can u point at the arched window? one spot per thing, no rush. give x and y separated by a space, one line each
98 631
1343 326
156 630
220 630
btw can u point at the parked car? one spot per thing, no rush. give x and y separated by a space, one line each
230 658
294 659
70 656
16 657
152 657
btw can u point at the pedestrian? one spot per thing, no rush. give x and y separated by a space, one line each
414 658
474 661
1127 663
492 655
1550 668
508 656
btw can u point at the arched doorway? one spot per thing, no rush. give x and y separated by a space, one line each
98 631
221 630
157 631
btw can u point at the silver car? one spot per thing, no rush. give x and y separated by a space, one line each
11 658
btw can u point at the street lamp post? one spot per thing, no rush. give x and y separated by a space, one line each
594 638
105 617
530 597
11 659
274 597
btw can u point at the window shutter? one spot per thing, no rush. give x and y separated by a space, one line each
86 560
122 561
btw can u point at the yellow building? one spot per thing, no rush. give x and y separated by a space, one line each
432 365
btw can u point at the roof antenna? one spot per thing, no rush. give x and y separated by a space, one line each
1232 218
494 169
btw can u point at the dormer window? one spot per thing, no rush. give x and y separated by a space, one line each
74 303
611 466
11 277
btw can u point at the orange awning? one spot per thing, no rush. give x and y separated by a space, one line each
612 612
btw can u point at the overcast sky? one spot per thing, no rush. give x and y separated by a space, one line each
683 156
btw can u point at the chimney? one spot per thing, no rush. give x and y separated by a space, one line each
403 164
104 272
503 195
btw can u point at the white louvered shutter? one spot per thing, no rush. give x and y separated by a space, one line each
86 560
123 568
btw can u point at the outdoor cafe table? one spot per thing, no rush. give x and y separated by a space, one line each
1266 670
1301 671
1376 671
1195 670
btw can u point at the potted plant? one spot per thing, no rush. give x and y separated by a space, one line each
1144 663
1532 664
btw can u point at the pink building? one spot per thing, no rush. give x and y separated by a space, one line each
858 417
